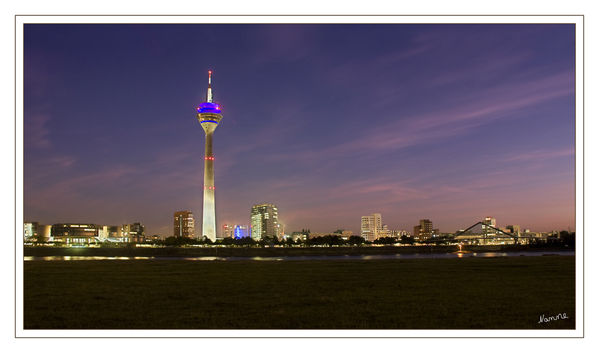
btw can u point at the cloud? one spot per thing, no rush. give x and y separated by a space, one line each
540 155
70 187
480 108
36 131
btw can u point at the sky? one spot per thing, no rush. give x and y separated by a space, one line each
329 122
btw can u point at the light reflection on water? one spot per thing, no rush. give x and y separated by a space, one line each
79 258
300 258
199 258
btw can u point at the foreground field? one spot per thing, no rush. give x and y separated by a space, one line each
467 293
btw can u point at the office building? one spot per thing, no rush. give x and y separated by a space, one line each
227 232
264 221
124 233
30 230
184 224
371 227
424 230
136 232
209 117
103 233
71 233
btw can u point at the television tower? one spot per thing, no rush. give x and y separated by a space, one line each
209 117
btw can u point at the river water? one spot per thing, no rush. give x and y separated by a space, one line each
305 258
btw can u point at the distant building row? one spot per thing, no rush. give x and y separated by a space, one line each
78 233
372 228
487 231
264 222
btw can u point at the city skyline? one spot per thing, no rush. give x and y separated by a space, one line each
329 122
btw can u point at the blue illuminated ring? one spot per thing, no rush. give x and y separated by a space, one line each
209 107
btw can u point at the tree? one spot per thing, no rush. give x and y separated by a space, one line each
355 240
228 241
179 241
329 240
245 241
406 239
269 241
385 240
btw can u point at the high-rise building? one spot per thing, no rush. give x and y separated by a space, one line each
227 231
424 230
30 230
209 117
184 225
124 233
371 227
264 220
103 233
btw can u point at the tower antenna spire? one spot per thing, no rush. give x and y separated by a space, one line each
209 93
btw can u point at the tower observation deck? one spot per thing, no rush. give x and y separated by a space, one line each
209 116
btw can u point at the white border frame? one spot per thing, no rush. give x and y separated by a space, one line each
20 20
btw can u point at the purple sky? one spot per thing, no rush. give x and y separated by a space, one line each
329 122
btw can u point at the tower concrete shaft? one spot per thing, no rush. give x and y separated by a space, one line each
209 219
209 117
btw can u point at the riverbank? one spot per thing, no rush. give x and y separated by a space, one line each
40 251
467 293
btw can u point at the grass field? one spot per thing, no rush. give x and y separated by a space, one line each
466 293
